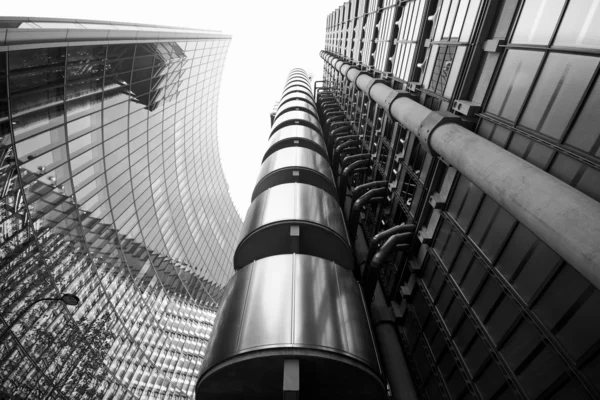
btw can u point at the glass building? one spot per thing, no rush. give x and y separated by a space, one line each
496 295
110 189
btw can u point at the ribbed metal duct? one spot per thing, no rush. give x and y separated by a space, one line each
296 96
297 83
294 218
296 118
296 135
300 89
297 105
291 306
297 78
295 164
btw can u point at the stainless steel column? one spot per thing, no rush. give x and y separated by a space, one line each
293 300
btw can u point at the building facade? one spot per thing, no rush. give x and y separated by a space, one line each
496 294
112 190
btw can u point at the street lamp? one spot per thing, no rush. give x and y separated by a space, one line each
67 298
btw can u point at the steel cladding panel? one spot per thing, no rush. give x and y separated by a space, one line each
296 117
292 301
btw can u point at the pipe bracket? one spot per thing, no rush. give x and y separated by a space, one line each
370 85
434 120
395 95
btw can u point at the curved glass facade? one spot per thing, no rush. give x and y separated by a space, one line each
111 189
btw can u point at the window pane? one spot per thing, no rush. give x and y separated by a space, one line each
586 130
562 82
579 26
537 21
513 83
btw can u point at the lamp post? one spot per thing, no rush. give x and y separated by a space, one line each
67 298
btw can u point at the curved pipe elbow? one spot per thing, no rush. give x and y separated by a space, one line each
386 249
370 185
371 195
347 123
333 119
367 197
356 164
403 228
350 159
337 131
332 113
345 145
338 140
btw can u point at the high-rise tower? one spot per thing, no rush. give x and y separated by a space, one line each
111 189
475 122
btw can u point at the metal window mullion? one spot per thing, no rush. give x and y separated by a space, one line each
510 292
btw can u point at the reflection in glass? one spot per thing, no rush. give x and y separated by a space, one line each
537 21
513 83
563 79
579 26
109 204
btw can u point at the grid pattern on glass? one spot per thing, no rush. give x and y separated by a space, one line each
455 21
39 23
370 21
350 8
482 257
531 110
384 39
409 27
112 190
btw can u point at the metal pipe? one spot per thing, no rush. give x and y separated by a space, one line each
333 119
563 217
390 350
342 147
367 186
334 133
355 211
332 113
404 229
350 159
342 187
373 268
315 87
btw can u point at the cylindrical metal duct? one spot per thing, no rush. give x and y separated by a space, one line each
298 89
293 310
297 105
295 164
296 83
296 118
291 306
294 218
296 135
296 96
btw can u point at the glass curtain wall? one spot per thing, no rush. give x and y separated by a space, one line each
111 189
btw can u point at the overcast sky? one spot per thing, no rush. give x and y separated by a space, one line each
270 37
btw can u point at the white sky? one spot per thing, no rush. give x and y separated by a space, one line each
270 37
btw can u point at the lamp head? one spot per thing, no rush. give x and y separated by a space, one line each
70 299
